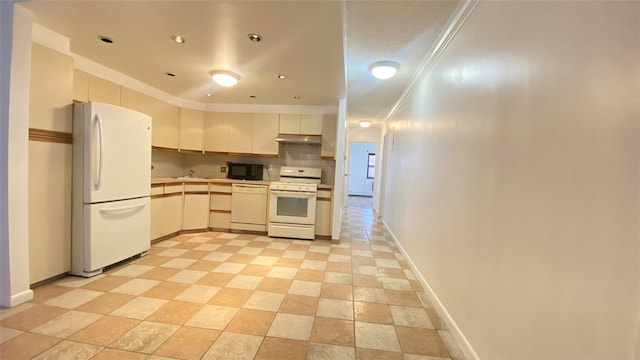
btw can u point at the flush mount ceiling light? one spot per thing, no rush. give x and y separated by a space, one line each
255 37
364 123
297 97
170 74
225 78
281 76
384 69
105 39
178 39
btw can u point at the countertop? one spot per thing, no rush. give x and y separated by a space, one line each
167 180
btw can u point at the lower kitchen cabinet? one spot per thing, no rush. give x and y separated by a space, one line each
323 213
196 206
220 206
157 191
172 209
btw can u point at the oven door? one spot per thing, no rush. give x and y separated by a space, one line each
292 207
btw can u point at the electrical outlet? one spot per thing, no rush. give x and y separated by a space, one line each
223 169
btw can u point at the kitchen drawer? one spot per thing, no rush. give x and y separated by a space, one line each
157 189
172 189
325 194
196 187
220 187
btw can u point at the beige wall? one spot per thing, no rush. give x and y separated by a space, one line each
513 179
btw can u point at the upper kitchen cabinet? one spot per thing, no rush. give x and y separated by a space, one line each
216 131
87 87
301 124
191 130
329 129
265 131
241 133
164 128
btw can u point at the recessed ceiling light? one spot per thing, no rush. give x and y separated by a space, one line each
208 95
297 97
252 96
384 69
224 77
255 37
364 123
170 74
105 39
281 76
178 39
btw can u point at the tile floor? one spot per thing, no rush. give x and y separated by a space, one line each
236 296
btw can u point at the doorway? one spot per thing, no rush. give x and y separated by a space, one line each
362 161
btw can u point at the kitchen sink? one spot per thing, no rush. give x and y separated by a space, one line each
191 178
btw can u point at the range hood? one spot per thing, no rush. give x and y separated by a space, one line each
299 139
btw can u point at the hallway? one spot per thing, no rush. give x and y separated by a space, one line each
235 296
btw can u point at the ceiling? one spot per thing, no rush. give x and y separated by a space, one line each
323 47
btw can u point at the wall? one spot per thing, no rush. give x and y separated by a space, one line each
359 184
513 178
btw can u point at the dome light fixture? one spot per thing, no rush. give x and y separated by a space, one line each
364 123
178 39
225 78
384 69
255 37
281 76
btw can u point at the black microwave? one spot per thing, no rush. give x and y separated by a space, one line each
244 171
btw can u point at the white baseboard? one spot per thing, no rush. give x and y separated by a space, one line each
22 297
464 345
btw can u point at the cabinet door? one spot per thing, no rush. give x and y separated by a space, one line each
191 129
329 128
323 217
171 213
196 211
241 133
156 217
216 132
311 124
164 117
104 91
289 124
265 131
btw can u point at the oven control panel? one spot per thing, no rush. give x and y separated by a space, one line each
293 186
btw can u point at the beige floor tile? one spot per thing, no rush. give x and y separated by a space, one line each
172 252
231 297
135 286
7 334
365 270
292 263
310 275
105 303
248 282
369 354
146 337
396 284
361 260
107 283
187 276
241 258
317 256
217 256
376 336
421 342
43 293
238 242
264 260
66 324
73 298
113 354
212 317
333 331
250 250
373 313
153 260
252 322
229 268
198 293
363 253
77 281
339 258
337 291
282 349
274 285
290 326
411 317
313 265
267 301
7 312
391 273
402 298
308 288
256 270
26 346
179 263
69 350
175 312
299 304
32 317
333 308
104 331
132 270
282 272
268 251
324 351
339 267
234 346
207 247
194 254
366 294
188 343
232 249
166 243
159 273
139 308
294 254
338 278
215 279
203 265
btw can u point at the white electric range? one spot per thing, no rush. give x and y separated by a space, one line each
292 203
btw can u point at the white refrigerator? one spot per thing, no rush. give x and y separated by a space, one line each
111 186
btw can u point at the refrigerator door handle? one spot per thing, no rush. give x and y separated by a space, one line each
122 208
98 178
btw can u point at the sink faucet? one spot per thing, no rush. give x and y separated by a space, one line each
191 172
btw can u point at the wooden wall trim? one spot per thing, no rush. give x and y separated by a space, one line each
51 136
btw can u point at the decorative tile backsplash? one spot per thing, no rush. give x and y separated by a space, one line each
169 163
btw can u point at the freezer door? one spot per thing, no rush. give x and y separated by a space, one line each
117 153
115 231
